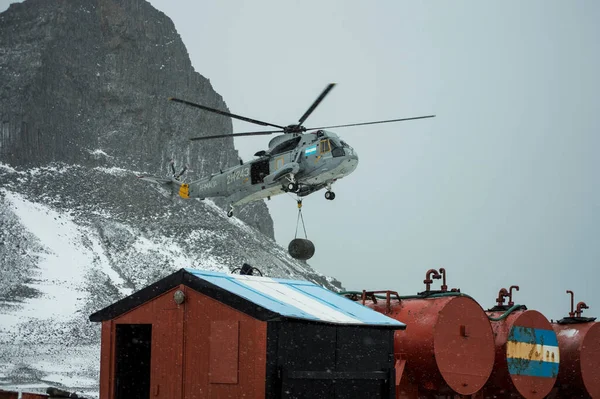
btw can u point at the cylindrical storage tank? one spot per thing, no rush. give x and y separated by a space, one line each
8 395
527 354
579 344
448 343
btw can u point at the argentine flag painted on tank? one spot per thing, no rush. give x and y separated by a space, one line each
532 352
310 150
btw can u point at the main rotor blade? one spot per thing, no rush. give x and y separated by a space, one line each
316 103
372 123
242 118
236 135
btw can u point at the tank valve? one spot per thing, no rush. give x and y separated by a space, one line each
580 307
431 274
504 293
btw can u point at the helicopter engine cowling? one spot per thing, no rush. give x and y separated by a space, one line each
275 141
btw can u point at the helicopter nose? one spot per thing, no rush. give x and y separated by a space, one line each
351 154
352 159
346 153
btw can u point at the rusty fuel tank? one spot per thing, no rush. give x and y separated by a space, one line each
527 353
447 347
579 343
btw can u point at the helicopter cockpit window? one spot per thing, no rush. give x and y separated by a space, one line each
344 144
325 146
336 149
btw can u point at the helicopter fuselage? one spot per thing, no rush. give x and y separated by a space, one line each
298 163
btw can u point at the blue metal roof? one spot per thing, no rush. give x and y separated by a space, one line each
296 299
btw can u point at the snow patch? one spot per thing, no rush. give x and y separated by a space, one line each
209 262
98 152
9 168
166 248
114 171
71 251
104 264
57 168
233 220
61 270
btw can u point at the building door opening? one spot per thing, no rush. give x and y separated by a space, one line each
258 171
132 371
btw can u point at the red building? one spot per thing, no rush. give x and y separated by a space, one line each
197 334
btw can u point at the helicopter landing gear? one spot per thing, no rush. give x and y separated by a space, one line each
329 195
292 186
230 211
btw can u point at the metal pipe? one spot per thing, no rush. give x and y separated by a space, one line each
510 292
454 292
431 273
571 313
580 307
371 294
502 294
443 273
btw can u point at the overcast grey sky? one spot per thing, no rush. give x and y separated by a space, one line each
500 188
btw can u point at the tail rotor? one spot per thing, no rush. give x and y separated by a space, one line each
177 176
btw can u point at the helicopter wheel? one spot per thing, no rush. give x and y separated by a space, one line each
330 195
230 212
293 187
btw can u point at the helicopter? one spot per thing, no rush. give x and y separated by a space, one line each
295 162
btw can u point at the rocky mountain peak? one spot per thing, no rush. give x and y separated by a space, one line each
83 110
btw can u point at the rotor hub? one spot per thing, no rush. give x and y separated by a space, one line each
294 129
